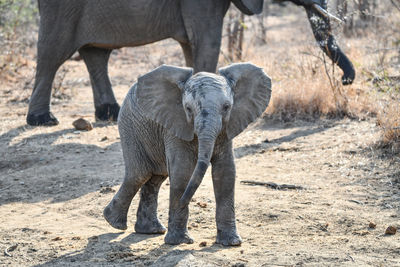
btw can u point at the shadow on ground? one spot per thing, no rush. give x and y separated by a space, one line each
103 250
310 129
35 168
38 169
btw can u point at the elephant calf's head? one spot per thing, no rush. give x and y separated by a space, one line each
205 105
207 100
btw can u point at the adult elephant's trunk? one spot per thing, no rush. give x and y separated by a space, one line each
322 31
206 141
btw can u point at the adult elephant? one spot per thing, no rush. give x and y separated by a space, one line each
95 28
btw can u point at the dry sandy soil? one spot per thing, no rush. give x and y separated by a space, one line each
55 182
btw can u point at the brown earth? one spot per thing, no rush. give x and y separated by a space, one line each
55 182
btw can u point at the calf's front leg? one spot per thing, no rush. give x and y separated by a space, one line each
180 168
223 175
147 220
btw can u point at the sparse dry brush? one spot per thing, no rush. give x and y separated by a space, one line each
307 86
389 121
18 31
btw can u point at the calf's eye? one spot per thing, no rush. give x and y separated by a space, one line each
226 107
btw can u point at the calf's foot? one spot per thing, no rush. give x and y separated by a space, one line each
116 215
228 238
149 226
176 237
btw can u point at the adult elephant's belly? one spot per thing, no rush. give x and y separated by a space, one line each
127 43
129 26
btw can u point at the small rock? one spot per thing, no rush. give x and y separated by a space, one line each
106 190
82 125
391 230
372 225
203 244
94 238
104 138
202 204
12 248
324 227
56 238
32 250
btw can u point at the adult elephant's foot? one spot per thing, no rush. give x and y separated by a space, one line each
149 226
228 238
107 112
175 237
115 215
44 119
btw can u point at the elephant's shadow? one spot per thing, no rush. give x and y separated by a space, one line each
265 125
38 167
104 250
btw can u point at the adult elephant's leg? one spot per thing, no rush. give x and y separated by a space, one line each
147 221
96 60
180 168
188 53
323 34
203 22
223 175
50 58
206 53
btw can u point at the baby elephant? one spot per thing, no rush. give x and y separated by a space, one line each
173 123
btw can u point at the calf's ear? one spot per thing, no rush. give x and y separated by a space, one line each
252 92
159 96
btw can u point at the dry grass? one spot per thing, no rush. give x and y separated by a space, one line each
389 121
307 87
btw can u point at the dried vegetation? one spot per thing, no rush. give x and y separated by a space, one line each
306 84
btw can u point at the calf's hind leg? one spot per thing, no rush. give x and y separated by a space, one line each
117 210
147 221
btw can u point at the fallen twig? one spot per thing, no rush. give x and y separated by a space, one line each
356 201
5 188
395 5
9 249
273 185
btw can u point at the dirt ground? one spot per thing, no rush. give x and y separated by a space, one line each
55 182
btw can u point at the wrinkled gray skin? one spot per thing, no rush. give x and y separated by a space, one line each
95 28
173 123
